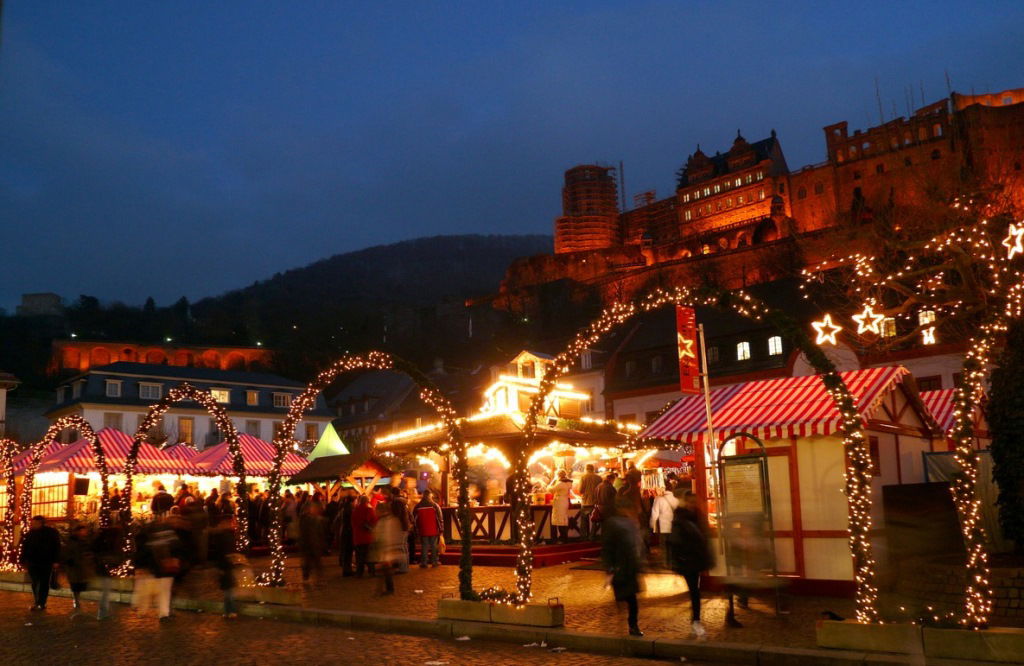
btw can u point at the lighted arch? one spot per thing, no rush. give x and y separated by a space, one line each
225 426
284 439
8 449
858 473
35 457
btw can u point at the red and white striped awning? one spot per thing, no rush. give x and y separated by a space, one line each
771 408
78 458
22 459
258 455
181 451
940 405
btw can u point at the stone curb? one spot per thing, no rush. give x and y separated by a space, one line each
607 644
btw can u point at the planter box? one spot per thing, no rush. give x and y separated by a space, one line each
903 638
1001 644
530 615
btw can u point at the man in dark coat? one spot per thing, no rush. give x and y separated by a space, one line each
621 554
690 552
162 502
343 528
40 553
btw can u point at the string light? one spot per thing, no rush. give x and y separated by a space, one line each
868 321
8 449
1014 241
826 330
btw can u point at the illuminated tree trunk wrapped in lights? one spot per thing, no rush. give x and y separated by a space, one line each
186 391
858 473
284 440
8 449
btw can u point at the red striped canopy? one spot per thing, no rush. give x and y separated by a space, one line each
22 459
78 458
940 405
181 451
771 408
257 454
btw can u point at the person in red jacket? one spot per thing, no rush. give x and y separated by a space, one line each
429 526
364 519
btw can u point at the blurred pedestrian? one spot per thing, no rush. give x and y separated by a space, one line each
691 553
311 541
108 556
161 502
223 557
157 560
388 544
363 521
561 492
343 528
429 527
662 512
587 490
621 553
40 553
400 510
79 562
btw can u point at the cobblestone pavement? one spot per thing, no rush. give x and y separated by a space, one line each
664 607
55 637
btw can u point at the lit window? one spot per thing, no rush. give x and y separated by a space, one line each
889 327
252 398
774 345
696 194
113 388
739 200
739 181
285 399
221 395
150 391
686 198
937 130
186 429
687 214
761 194
728 202
925 317
718 188
742 351
750 178
707 191
760 175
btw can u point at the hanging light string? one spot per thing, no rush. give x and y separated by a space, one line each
284 441
858 470
8 450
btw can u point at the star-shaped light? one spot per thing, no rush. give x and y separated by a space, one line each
928 336
685 346
1014 241
869 321
827 331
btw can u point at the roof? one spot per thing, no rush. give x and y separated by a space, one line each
762 149
22 459
940 405
196 374
329 468
257 454
181 451
78 458
788 407
330 444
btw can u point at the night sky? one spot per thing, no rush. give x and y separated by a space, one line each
187 148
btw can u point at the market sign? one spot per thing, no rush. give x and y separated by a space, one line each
686 341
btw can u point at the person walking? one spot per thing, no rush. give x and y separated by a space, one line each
222 556
79 563
587 490
311 541
605 499
621 555
429 527
40 554
108 556
157 560
690 553
561 493
343 528
161 502
363 521
388 544
662 512
400 510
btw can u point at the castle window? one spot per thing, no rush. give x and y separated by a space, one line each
705 249
743 351
760 175
761 194
739 200
922 134
866 146
856 175
879 168
906 139
739 181
687 214
728 202
686 198
853 151
696 194
906 161
750 178
937 130
801 193
936 154
707 191
718 188
818 188
782 188
774 345
889 327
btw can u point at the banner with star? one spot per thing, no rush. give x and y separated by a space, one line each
686 341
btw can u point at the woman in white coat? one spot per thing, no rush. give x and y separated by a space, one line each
561 491
661 521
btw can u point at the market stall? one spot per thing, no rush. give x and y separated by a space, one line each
796 420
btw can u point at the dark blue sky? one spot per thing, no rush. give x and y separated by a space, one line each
186 148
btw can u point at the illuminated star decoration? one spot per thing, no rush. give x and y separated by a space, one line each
1014 241
928 336
827 331
685 347
868 321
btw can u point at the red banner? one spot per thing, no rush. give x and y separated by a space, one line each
686 340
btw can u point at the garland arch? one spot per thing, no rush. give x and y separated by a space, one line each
225 426
857 474
301 405
8 449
